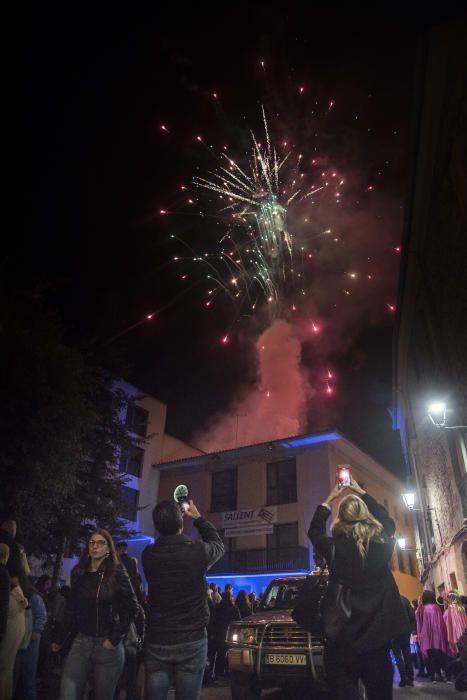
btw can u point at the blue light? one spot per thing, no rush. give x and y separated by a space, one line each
251 582
311 439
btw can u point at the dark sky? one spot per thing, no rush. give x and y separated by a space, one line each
97 169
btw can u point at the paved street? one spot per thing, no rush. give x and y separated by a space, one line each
422 689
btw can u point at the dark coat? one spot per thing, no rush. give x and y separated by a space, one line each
410 612
96 609
14 564
4 598
377 612
130 565
226 612
175 569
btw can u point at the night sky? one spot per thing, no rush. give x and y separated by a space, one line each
98 169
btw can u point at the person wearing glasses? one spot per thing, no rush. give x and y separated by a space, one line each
101 607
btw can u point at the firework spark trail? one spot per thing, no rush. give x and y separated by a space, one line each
259 197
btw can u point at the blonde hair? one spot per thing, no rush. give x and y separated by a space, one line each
355 520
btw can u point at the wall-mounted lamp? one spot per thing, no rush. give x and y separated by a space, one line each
437 412
409 499
402 544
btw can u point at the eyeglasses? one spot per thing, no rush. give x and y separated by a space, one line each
97 543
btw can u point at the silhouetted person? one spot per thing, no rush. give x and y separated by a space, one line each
177 612
401 646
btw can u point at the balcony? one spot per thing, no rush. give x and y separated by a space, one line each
255 561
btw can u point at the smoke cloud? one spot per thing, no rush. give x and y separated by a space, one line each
275 407
297 372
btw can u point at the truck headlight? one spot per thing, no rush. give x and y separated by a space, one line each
242 635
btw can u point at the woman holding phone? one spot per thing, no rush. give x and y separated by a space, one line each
358 554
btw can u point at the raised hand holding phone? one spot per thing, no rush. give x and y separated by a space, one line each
192 511
356 487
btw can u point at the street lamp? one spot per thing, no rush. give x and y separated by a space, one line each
401 541
402 544
409 499
437 412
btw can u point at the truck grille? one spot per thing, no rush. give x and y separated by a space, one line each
284 635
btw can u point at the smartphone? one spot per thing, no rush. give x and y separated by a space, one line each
184 504
343 476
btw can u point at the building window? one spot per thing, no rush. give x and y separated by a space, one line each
129 503
136 419
412 567
282 482
224 491
131 460
400 560
283 537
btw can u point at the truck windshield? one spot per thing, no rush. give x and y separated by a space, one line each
281 596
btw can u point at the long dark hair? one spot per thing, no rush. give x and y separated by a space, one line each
428 597
242 600
227 599
109 565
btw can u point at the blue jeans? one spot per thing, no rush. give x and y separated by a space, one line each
88 654
25 670
178 665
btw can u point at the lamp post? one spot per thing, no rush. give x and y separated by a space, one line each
409 498
438 414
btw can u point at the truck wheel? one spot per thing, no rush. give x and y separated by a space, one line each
243 687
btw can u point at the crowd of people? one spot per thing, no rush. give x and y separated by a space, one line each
224 609
436 627
94 630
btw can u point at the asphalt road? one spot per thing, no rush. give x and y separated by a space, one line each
422 690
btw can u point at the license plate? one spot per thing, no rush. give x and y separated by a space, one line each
285 659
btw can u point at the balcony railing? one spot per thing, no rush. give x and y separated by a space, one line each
263 561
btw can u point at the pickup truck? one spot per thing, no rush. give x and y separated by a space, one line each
269 650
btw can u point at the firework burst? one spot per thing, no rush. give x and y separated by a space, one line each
260 261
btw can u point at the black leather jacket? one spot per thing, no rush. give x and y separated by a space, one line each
98 610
